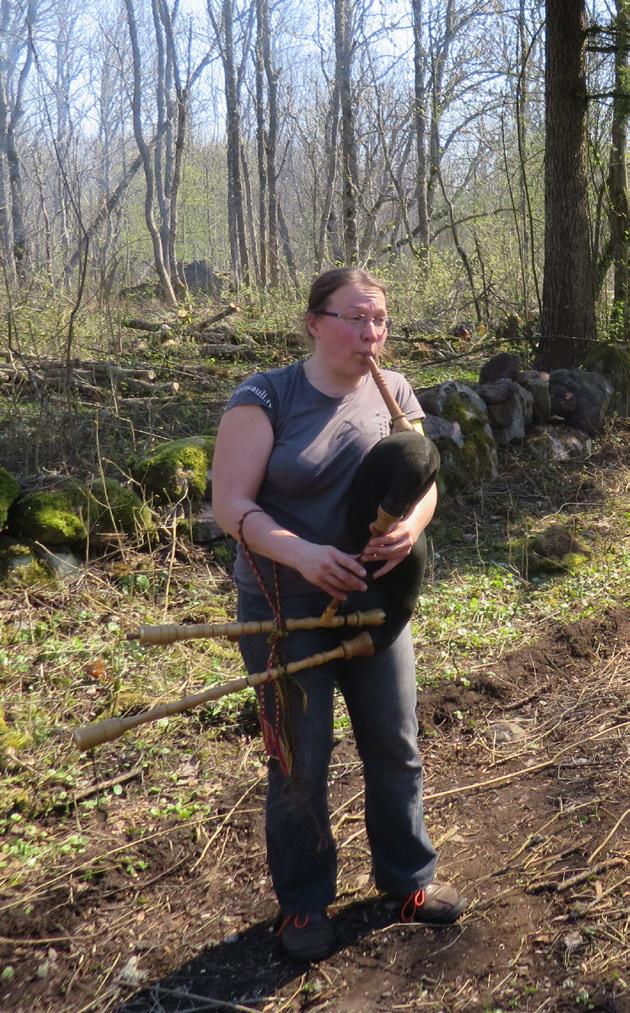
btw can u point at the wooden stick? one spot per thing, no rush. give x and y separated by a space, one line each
98 732
202 631
609 836
215 318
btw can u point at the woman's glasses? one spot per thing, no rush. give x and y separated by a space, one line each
358 320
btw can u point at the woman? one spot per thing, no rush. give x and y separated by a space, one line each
288 447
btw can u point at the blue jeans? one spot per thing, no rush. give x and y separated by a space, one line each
380 694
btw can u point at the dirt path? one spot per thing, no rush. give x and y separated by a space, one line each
526 795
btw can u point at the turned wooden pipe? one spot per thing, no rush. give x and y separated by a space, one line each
400 422
99 732
201 631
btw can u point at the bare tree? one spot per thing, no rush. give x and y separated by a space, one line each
344 10
616 251
147 162
17 22
224 26
420 122
568 320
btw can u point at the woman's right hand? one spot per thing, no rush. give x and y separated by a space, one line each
331 570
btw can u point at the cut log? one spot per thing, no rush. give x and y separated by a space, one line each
148 325
168 387
225 351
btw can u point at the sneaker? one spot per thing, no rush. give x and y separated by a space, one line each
305 936
437 903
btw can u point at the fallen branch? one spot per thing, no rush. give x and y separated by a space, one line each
94 789
168 387
207 322
580 877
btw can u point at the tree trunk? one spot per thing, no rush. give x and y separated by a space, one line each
236 217
143 148
568 318
420 125
349 167
271 143
619 211
325 229
260 145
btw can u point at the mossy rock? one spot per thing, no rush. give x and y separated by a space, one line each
176 469
476 461
472 463
552 551
9 491
116 507
20 567
52 516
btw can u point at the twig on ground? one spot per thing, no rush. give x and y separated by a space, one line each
94 789
506 778
580 877
609 836
222 824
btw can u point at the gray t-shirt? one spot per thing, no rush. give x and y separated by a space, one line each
319 443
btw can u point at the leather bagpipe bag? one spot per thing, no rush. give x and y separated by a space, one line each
395 475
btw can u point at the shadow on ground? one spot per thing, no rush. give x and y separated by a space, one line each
252 969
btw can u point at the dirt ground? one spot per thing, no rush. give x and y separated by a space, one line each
526 797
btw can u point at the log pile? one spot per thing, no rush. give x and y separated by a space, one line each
91 378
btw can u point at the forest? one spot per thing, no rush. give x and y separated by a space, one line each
173 175
270 139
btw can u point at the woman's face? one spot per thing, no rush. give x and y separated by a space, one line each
345 345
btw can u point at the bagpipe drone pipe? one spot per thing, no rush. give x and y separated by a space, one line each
390 481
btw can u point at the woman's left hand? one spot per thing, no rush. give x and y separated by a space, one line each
401 536
392 547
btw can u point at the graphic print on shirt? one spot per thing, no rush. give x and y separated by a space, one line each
353 428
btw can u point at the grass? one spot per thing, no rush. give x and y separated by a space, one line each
63 654
64 658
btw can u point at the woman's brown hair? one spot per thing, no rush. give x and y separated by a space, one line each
326 284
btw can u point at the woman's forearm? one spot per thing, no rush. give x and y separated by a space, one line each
244 520
422 514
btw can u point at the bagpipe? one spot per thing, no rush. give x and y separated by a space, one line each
392 478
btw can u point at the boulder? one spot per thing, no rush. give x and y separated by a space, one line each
537 383
443 433
449 440
116 507
553 550
580 397
557 442
203 527
176 469
200 277
510 409
454 401
52 516
61 563
476 460
503 366
9 490
20 566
